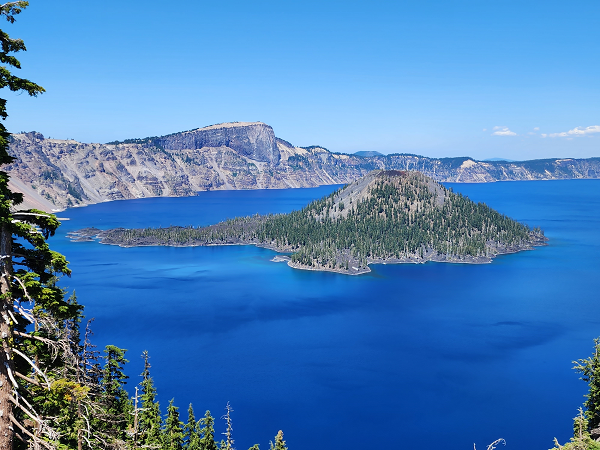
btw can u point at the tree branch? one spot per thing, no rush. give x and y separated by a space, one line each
38 338
28 433
22 213
32 364
33 415
29 380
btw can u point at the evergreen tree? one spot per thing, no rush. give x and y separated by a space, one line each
587 421
117 407
173 431
192 432
581 439
590 372
207 442
150 420
228 444
279 442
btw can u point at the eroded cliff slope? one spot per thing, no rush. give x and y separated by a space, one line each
240 155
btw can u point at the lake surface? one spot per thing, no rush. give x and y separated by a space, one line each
406 357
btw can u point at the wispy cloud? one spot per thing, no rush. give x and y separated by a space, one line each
503 131
586 130
579 131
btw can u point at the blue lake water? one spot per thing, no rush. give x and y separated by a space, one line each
406 357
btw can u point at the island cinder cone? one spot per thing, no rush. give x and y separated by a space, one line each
385 217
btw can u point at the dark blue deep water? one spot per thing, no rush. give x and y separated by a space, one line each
407 357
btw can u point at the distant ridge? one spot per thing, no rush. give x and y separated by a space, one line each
367 154
58 173
499 160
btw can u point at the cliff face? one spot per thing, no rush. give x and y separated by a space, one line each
61 173
251 140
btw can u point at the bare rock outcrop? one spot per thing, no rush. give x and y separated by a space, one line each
254 140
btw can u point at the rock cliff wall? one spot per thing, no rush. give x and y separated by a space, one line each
255 140
61 173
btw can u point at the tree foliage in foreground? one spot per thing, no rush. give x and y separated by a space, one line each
586 425
37 390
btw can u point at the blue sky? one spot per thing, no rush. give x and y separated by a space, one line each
438 78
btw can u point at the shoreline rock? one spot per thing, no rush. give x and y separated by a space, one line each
93 234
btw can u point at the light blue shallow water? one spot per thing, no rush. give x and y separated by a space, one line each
407 357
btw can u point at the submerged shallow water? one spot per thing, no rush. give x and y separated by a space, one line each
408 356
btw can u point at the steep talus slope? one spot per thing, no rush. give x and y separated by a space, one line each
240 155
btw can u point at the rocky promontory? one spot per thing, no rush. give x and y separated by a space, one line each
253 140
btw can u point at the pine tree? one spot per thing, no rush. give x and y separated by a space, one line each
590 372
279 442
149 420
587 421
207 442
228 444
192 433
173 431
117 407
581 439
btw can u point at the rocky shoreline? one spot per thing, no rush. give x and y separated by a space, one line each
412 260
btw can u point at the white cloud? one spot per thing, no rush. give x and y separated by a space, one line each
579 131
503 131
485 129
588 130
536 129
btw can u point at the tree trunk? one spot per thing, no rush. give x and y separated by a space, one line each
6 334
